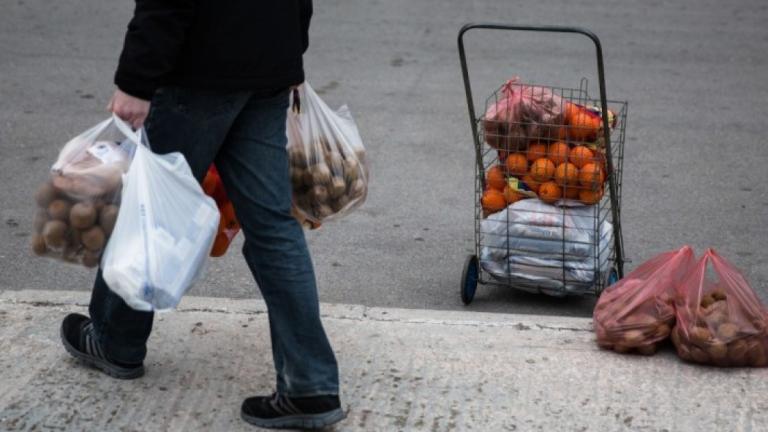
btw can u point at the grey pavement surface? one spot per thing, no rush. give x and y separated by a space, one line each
401 370
696 165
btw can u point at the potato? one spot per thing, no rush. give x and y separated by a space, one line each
82 215
45 194
675 335
647 349
756 355
338 204
41 217
55 234
38 245
737 352
633 338
699 355
356 189
319 194
707 300
298 157
718 351
684 352
700 335
642 320
662 331
59 209
108 218
351 170
337 188
297 177
727 332
621 349
308 179
321 175
93 238
323 211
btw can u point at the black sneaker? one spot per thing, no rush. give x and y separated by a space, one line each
79 340
281 412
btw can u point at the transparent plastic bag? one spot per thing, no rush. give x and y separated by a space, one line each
720 320
78 205
638 312
163 235
328 169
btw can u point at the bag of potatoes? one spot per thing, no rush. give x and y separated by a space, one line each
77 205
327 158
720 320
637 313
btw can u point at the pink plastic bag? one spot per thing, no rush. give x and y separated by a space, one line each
720 320
638 312
521 114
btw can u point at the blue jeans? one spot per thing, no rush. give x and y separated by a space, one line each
244 134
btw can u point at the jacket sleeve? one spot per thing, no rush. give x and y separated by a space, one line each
306 16
152 46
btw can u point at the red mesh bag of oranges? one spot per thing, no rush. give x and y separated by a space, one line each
720 320
637 313
228 224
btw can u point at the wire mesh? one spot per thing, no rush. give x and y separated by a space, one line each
549 226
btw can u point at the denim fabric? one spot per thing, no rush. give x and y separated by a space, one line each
245 135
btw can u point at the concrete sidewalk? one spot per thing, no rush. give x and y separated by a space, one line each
402 370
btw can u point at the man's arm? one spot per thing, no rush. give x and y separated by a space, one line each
151 49
306 16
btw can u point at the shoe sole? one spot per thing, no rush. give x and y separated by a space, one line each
302 421
102 365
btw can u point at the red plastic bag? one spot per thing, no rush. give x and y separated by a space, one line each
638 312
720 320
521 114
228 224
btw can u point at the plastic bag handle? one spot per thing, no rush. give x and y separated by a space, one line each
135 136
296 106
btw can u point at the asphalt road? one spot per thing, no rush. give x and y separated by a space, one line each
696 161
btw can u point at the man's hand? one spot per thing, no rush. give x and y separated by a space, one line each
131 109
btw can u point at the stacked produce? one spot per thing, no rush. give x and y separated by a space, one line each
548 147
327 178
720 320
77 207
327 158
638 312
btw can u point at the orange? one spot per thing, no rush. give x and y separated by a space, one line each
542 170
493 201
590 197
584 124
495 178
558 152
531 183
550 192
581 156
512 195
571 192
517 164
567 173
591 175
537 151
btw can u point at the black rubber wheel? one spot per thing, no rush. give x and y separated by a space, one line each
469 279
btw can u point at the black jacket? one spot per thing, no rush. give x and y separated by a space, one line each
225 45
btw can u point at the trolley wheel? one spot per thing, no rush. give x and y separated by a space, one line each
469 279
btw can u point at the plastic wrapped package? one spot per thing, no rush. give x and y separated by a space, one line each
720 319
78 205
163 234
638 312
522 113
555 249
327 158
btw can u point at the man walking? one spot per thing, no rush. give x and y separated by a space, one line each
211 80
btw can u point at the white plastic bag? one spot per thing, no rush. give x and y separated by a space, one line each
553 248
78 203
328 168
164 232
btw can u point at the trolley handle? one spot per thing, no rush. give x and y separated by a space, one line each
603 104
